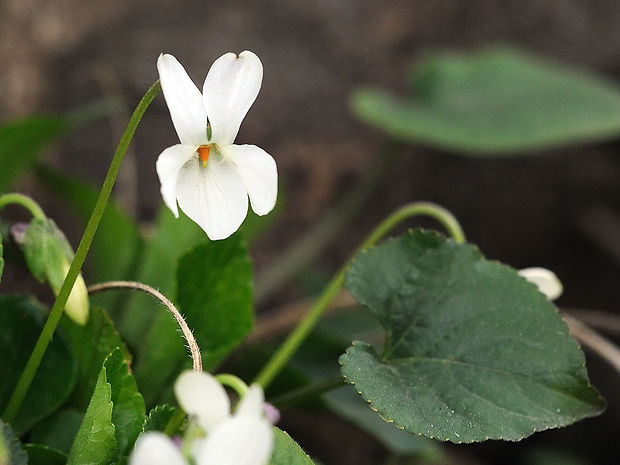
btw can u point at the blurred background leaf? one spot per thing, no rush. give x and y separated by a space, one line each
496 101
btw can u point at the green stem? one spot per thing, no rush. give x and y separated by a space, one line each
24 201
80 255
233 382
305 326
175 422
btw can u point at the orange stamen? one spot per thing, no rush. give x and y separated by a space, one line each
203 153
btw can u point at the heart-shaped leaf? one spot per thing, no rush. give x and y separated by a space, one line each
472 351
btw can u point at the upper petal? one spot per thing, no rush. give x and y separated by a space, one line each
239 441
251 404
229 90
155 448
546 280
259 173
168 165
213 196
184 101
202 397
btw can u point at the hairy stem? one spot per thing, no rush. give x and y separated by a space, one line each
136 286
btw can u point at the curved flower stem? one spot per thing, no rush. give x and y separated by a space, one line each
233 382
24 201
305 326
80 255
136 286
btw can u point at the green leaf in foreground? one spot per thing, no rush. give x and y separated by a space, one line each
91 343
11 452
287 452
21 320
495 101
128 414
472 351
159 417
95 443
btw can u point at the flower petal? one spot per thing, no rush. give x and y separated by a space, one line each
546 280
202 397
251 405
168 165
155 448
259 174
229 90
184 101
213 196
239 441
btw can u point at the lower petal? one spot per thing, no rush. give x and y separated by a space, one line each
239 441
168 165
258 171
156 448
213 196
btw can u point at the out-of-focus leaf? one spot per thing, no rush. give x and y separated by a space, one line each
21 143
496 102
95 443
21 320
11 452
472 350
286 451
39 454
91 344
214 293
159 417
58 430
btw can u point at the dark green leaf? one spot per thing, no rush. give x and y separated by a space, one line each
287 452
21 143
128 414
21 320
95 443
39 454
214 293
159 417
317 358
472 350
496 101
58 430
91 344
11 452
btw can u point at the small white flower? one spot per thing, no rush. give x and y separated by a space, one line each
210 177
242 438
546 280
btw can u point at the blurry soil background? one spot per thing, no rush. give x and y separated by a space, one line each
560 210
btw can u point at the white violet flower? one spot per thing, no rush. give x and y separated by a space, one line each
243 438
210 177
546 280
